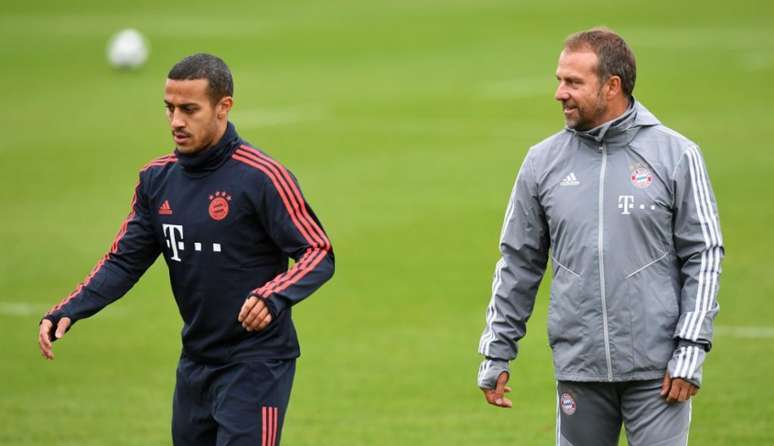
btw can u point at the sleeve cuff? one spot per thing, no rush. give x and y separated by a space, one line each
687 361
489 371
276 305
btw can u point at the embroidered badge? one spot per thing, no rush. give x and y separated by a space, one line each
641 177
567 403
219 205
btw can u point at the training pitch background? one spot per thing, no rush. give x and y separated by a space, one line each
406 122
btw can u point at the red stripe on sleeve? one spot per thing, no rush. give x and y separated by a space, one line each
294 188
281 282
308 255
301 220
164 160
297 202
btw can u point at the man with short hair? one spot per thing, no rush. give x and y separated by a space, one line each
623 207
227 218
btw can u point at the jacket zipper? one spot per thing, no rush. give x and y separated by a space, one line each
600 249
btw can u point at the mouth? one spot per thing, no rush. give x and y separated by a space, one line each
181 137
567 109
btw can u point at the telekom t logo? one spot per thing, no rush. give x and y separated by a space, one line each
173 234
625 202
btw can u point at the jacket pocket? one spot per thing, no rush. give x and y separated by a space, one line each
564 326
654 293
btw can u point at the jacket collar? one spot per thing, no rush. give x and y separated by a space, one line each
209 159
621 130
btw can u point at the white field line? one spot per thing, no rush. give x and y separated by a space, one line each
23 309
738 331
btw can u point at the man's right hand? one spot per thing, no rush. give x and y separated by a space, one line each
496 396
45 335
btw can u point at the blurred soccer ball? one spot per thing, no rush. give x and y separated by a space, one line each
128 49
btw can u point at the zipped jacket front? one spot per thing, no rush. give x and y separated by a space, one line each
628 217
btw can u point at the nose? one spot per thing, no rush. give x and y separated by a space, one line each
176 119
561 94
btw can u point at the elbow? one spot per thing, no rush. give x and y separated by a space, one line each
329 265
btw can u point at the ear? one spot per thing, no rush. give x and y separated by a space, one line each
224 106
613 85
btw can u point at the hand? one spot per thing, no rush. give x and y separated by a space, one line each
255 314
677 389
496 396
45 338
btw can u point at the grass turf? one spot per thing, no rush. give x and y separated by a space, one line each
406 122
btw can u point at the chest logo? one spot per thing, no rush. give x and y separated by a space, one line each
641 177
569 180
165 208
219 205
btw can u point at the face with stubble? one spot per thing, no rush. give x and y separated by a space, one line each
582 94
195 121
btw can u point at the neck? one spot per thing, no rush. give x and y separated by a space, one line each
615 109
211 157
221 130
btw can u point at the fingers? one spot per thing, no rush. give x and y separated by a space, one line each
674 392
44 340
246 307
258 317
495 396
666 384
495 399
61 327
687 390
502 379
684 393
680 391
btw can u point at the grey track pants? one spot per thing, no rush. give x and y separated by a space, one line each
591 414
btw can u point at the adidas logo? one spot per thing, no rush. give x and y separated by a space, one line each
569 180
165 208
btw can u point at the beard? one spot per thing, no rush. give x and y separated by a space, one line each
587 114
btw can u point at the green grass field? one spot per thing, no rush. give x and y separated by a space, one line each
406 122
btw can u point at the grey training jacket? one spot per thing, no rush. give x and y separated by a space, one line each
628 217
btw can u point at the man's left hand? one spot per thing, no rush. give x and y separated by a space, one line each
255 314
677 389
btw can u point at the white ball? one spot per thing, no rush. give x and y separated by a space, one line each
128 49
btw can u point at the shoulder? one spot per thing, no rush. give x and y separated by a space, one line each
549 149
256 164
159 163
663 146
157 166
553 142
663 135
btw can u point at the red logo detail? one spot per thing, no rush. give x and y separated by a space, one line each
219 205
165 208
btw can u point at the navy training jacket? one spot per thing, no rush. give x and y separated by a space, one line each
227 221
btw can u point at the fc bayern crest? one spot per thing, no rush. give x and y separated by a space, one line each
567 403
641 177
219 205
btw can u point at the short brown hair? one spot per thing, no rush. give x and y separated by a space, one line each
205 66
615 56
